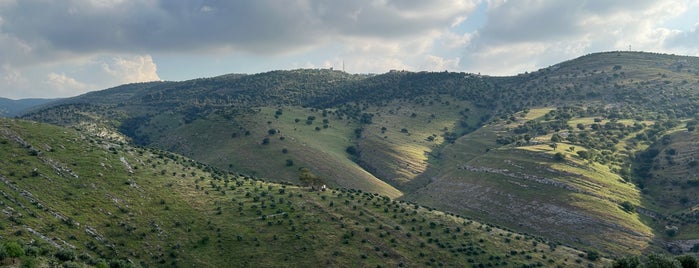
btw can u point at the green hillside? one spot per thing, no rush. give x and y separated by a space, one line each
593 152
526 186
75 199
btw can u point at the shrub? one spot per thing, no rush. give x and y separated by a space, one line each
559 156
656 260
65 255
593 255
627 262
351 150
627 206
14 249
688 261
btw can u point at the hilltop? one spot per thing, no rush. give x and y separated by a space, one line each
77 197
571 152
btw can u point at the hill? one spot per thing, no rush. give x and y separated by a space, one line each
11 108
79 197
561 152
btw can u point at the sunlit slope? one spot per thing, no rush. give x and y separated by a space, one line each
527 187
405 135
270 142
89 201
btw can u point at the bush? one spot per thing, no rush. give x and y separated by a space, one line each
688 261
661 261
14 249
28 263
627 206
3 252
592 255
627 262
65 255
559 156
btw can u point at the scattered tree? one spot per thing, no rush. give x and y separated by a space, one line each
351 150
553 145
559 156
310 179
627 206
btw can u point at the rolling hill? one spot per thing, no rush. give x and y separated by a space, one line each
11 108
77 197
580 152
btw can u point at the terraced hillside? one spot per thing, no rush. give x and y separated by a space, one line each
537 187
73 197
667 175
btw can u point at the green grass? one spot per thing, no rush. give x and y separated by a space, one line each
174 211
405 135
321 149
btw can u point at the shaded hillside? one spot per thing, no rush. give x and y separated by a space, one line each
550 152
11 108
72 198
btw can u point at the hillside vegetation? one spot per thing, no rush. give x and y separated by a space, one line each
595 152
73 198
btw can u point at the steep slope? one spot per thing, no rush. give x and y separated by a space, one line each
529 187
667 174
70 197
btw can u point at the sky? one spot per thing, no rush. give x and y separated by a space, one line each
63 48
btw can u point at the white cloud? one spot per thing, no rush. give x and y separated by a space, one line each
527 35
452 40
436 63
132 69
10 76
64 85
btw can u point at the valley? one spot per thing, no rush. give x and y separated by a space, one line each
596 153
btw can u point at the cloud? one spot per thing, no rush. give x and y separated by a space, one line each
262 26
100 43
92 73
64 84
39 37
685 40
132 69
530 34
